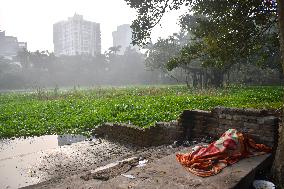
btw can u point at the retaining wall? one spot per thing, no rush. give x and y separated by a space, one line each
161 133
260 125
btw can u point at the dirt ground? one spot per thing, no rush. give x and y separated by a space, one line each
58 165
116 167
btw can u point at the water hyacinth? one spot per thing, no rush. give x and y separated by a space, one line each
28 114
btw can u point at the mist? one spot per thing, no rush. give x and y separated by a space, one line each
77 60
43 69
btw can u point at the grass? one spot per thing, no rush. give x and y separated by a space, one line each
79 111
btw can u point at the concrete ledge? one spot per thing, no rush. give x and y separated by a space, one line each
168 173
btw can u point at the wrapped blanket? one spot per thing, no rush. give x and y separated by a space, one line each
209 160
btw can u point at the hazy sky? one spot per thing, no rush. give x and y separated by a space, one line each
32 20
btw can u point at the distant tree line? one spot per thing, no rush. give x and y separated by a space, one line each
164 62
33 69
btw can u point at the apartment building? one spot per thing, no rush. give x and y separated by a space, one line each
9 45
122 37
76 36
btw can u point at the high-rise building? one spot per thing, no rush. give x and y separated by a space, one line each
9 45
122 37
76 36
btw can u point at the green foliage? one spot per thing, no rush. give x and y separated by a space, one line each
161 52
149 13
225 32
30 114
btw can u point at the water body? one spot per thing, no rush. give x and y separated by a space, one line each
18 156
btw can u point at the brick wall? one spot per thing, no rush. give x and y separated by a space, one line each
258 124
161 133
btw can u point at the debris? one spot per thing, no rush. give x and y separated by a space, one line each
142 163
186 143
176 144
128 176
111 170
262 184
95 142
101 177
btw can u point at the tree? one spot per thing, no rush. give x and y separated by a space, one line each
223 33
227 31
163 54
114 49
163 50
5 65
132 68
158 54
111 54
278 167
24 58
40 59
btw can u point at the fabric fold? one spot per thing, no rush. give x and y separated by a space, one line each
232 146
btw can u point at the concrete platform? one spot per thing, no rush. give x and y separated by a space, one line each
168 173
164 172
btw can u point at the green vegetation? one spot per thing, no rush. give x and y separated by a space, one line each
78 111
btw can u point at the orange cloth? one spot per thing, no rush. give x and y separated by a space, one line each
209 160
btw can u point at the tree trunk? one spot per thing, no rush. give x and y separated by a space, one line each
218 78
278 165
194 79
281 29
205 78
202 79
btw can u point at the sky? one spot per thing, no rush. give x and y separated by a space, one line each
32 21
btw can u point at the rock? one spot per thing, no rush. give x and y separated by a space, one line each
187 143
176 144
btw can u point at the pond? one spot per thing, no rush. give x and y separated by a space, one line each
18 155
